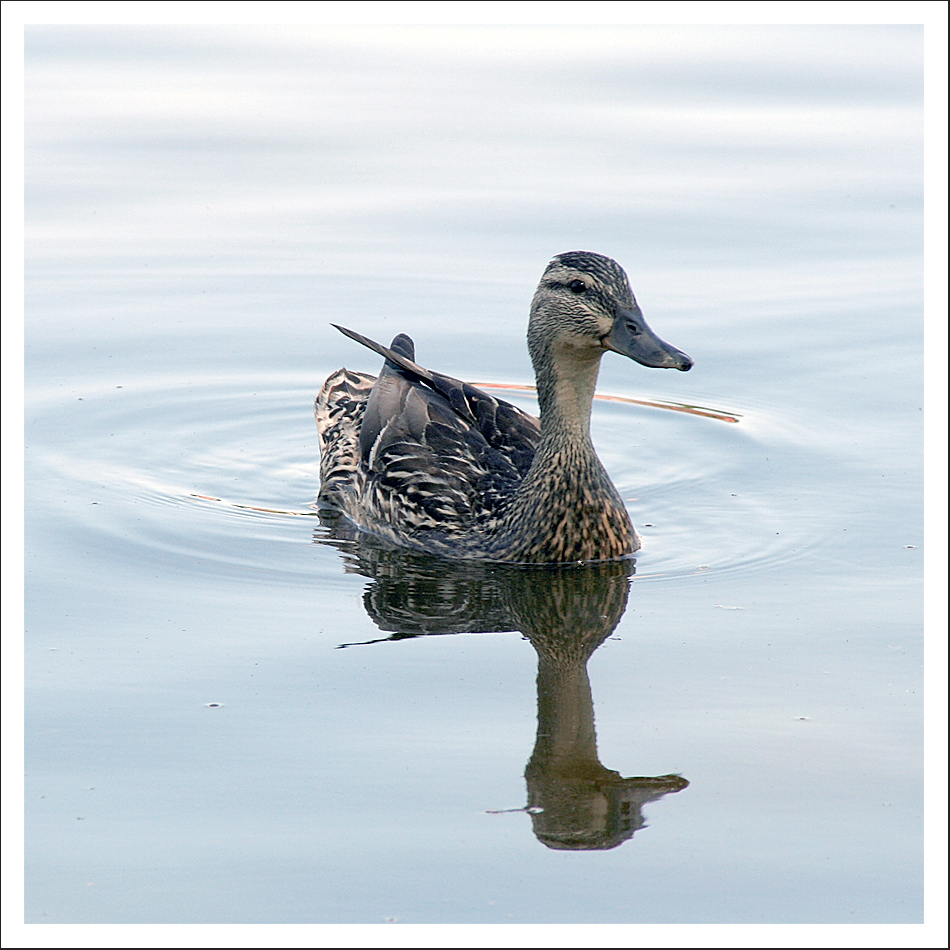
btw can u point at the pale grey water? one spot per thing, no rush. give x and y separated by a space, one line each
202 203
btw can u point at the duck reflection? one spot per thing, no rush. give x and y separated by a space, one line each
566 612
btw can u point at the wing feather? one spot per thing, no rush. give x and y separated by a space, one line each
424 452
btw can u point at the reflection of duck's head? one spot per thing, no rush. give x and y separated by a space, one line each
593 809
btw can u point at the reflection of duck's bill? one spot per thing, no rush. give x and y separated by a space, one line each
719 414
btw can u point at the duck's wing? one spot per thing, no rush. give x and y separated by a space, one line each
438 453
506 429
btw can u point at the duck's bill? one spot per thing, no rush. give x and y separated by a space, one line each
632 337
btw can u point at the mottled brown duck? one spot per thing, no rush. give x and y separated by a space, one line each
434 464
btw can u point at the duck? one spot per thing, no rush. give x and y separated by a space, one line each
430 463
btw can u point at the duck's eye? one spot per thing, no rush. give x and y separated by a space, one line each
577 286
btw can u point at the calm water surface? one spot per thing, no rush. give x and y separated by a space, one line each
728 730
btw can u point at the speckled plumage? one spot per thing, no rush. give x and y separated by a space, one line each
433 464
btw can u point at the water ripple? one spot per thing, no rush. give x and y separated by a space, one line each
226 471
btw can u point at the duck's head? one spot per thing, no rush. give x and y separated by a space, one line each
584 304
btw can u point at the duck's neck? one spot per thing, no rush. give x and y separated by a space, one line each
567 377
566 509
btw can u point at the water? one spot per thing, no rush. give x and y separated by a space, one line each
731 734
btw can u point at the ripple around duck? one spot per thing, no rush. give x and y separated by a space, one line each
225 471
